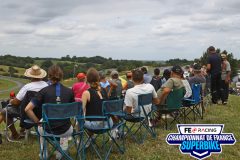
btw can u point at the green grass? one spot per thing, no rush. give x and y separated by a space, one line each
154 149
5 84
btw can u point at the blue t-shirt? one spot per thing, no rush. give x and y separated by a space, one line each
215 61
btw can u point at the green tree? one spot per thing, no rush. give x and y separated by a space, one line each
11 71
46 64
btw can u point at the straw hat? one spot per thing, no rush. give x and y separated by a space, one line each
223 55
35 72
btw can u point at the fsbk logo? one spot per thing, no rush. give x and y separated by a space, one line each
190 130
199 130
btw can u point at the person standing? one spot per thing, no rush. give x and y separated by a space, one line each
214 68
226 72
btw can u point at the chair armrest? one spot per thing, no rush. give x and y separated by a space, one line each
29 121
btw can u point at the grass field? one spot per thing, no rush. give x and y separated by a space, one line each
5 84
153 149
5 68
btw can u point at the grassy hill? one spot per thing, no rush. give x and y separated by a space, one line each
4 70
154 149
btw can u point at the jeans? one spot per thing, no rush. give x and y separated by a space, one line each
224 91
216 87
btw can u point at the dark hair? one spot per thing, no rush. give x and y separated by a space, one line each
102 75
166 74
55 73
137 76
144 70
211 49
157 71
129 74
93 77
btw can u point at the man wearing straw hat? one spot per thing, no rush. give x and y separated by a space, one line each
225 76
36 74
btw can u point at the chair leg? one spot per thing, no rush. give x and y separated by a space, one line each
27 135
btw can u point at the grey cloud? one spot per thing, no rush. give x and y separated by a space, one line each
123 24
144 26
18 30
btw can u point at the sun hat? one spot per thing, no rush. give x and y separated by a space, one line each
223 55
114 73
81 76
35 72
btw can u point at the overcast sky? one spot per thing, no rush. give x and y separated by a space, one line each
122 29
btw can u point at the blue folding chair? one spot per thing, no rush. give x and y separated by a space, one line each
194 104
109 108
141 119
59 112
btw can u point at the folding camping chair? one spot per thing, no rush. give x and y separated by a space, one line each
58 112
109 108
172 107
141 119
194 104
15 115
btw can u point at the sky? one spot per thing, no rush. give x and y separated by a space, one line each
126 29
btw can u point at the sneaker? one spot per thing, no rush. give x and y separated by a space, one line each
224 103
114 133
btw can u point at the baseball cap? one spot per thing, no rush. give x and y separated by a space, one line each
177 69
197 67
81 76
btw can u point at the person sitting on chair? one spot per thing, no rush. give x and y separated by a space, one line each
174 82
79 87
35 73
54 93
131 97
198 78
92 102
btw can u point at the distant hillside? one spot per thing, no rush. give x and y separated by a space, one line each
73 65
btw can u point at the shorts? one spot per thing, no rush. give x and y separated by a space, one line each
12 111
98 124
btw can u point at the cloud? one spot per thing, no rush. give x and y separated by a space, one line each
160 29
18 29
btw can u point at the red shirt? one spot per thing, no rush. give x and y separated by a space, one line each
78 89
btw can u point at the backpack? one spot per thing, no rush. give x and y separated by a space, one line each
117 92
156 82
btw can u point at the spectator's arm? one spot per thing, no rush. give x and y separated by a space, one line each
164 94
128 109
85 98
29 111
228 77
156 101
208 67
15 102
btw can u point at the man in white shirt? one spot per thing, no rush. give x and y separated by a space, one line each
131 97
35 73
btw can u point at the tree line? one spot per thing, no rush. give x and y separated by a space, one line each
72 65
